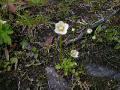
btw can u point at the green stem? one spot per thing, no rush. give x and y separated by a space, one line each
61 49
73 42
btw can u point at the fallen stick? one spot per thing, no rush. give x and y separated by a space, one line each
93 26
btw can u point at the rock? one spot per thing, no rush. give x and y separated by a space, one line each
55 81
117 76
99 71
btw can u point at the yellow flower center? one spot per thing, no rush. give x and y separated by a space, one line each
61 28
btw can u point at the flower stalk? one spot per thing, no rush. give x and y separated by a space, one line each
61 29
61 49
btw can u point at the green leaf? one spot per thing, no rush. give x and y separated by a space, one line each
6 38
5 30
67 66
38 2
24 44
58 66
13 60
117 46
99 28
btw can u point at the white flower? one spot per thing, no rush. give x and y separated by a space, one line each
94 37
3 22
74 53
61 28
89 30
73 29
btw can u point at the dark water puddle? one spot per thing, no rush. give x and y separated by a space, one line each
102 72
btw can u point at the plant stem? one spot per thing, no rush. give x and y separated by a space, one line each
61 49
73 42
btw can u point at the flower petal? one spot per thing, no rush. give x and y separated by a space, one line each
66 26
